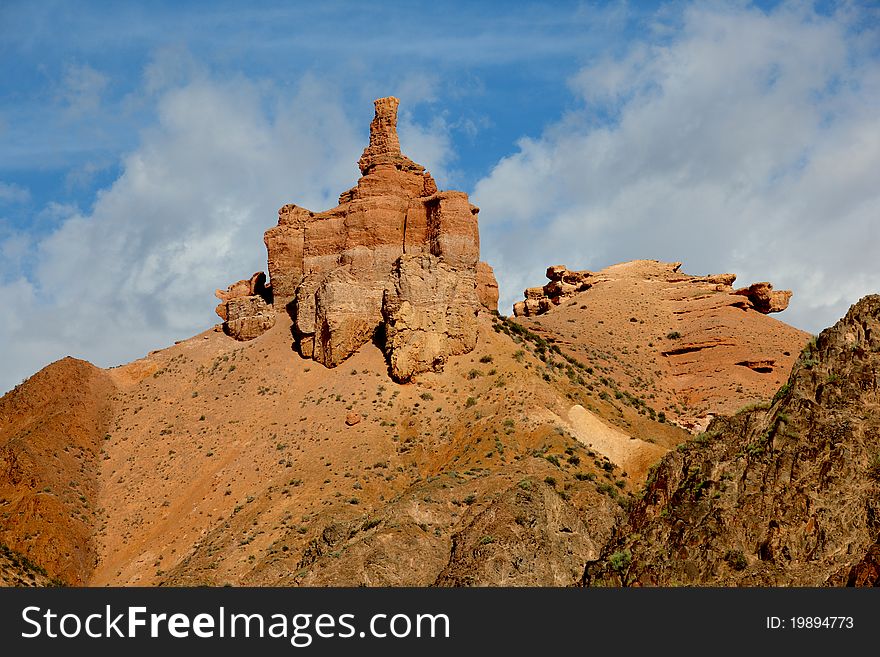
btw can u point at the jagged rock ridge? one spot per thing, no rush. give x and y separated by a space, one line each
335 271
781 494
565 283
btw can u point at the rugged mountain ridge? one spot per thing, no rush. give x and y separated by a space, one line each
781 494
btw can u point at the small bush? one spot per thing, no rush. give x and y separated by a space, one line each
736 559
620 561
550 481
486 359
673 335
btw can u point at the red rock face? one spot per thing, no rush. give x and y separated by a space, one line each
329 269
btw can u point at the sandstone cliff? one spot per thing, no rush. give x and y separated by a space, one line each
330 270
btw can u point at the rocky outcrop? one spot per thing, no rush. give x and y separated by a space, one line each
764 298
253 286
782 495
329 270
347 314
563 283
487 286
248 317
430 313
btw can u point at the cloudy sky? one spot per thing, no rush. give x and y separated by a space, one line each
145 149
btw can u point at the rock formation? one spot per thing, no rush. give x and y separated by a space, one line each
781 495
764 298
245 308
565 283
330 270
487 286
429 315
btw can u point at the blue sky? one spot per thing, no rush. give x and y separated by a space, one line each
144 147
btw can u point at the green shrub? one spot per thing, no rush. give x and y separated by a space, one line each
620 561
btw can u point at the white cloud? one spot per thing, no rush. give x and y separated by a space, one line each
12 193
185 216
747 142
82 89
429 145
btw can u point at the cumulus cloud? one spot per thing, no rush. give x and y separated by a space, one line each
747 141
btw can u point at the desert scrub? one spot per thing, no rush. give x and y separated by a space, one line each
620 563
736 559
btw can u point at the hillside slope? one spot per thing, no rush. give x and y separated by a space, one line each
52 430
688 346
242 463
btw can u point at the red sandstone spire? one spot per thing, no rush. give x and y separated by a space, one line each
384 145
